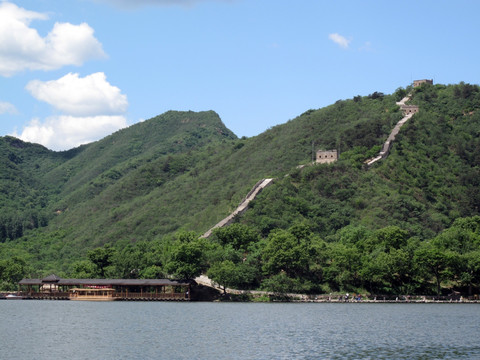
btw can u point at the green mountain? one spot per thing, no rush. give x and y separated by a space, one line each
430 178
138 199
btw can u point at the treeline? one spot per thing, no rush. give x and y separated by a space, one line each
384 261
14 224
296 260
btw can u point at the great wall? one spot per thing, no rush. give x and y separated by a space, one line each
408 112
322 157
259 186
252 194
327 157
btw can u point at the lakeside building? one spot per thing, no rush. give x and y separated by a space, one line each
55 288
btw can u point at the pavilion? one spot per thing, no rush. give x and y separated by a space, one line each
53 287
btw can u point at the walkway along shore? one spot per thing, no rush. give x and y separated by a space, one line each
341 298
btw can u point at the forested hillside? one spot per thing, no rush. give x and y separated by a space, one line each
135 203
430 178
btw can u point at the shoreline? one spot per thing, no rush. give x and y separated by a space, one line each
387 302
287 300
229 294
345 299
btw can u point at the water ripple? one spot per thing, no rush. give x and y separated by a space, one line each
136 330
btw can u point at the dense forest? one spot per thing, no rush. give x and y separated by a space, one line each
134 204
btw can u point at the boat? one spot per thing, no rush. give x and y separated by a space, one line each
87 294
14 297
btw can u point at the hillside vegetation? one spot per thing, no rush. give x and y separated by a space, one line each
135 203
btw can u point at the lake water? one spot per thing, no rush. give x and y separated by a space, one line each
169 330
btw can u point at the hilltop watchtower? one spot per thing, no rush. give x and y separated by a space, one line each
423 81
326 156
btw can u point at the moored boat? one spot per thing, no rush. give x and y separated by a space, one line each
103 294
14 297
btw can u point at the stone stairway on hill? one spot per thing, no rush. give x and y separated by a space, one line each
408 112
259 186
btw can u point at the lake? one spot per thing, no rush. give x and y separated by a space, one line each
196 330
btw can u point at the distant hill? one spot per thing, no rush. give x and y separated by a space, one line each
185 171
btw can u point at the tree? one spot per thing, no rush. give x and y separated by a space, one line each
388 271
12 271
187 260
281 284
152 272
376 95
401 270
392 237
284 252
84 269
434 262
469 269
186 236
225 274
400 93
102 258
343 266
463 236
129 261
239 236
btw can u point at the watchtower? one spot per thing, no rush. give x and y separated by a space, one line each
423 81
326 156
409 109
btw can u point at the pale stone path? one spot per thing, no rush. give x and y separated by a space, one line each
388 144
206 281
404 100
259 186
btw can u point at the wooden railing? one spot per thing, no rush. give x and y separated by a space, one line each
151 296
46 295
118 296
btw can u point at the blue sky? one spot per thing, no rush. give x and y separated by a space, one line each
75 71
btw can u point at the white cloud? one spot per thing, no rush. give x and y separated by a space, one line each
367 47
92 109
91 95
22 48
139 3
340 40
65 131
6 107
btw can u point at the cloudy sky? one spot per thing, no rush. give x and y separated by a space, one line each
74 71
